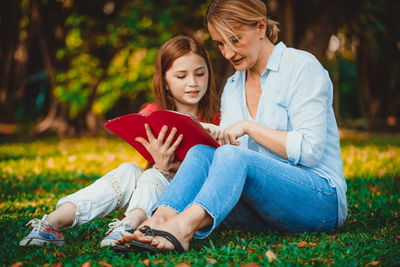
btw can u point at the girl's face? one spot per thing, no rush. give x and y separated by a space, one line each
187 80
242 50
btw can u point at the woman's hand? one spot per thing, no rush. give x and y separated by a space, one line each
233 132
162 152
215 131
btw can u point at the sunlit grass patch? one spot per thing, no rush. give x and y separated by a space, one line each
33 176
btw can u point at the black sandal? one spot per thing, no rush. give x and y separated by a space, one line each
141 246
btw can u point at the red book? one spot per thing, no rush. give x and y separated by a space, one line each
130 126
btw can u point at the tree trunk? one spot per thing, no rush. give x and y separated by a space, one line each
288 22
53 119
316 38
9 21
371 105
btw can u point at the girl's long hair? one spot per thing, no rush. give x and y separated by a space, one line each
167 54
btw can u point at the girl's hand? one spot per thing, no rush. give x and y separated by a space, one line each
215 131
233 132
162 152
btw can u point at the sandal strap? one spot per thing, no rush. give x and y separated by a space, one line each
171 238
148 231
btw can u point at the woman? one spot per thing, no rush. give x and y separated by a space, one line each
183 81
280 167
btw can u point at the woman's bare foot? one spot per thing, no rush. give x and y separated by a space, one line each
183 226
161 215
178 227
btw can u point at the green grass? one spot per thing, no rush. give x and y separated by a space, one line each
33 176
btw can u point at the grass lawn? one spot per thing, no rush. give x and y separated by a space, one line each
33 176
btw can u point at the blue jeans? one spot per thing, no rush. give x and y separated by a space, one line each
252 192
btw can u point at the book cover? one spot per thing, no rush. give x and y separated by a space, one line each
130 126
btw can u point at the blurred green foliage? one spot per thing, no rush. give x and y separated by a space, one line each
114 58
96 57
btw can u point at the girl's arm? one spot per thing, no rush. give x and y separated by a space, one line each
163 152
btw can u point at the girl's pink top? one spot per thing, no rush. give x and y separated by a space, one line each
151 107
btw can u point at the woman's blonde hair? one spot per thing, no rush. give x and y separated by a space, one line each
167 54
229 15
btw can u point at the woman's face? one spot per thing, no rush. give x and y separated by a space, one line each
242 50
187 79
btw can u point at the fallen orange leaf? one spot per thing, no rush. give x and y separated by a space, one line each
17 264
250 264
352 221
58 255
276 246
211 260
86 264
372 263
146 262
182 265
104 263
250 250
302 243
324 260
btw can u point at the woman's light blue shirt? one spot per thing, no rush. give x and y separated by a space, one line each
297 98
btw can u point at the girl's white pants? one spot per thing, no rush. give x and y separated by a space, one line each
127 184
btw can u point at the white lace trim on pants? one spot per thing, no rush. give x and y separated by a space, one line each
113 180
159 187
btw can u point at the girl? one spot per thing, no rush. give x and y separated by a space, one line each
184 82
280 167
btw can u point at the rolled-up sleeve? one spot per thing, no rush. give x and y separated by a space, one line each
293 146
307 111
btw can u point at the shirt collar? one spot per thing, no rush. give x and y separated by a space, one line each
275 58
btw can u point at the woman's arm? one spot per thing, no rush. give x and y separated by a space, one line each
307 109
273 140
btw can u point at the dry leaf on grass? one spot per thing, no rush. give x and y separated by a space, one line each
324 260
182 265
59 255
372 263
250 250
250 264
146 262
211 260
271 256
105 264
17 264
304 243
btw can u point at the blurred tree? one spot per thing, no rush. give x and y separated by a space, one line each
74 63
376 27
